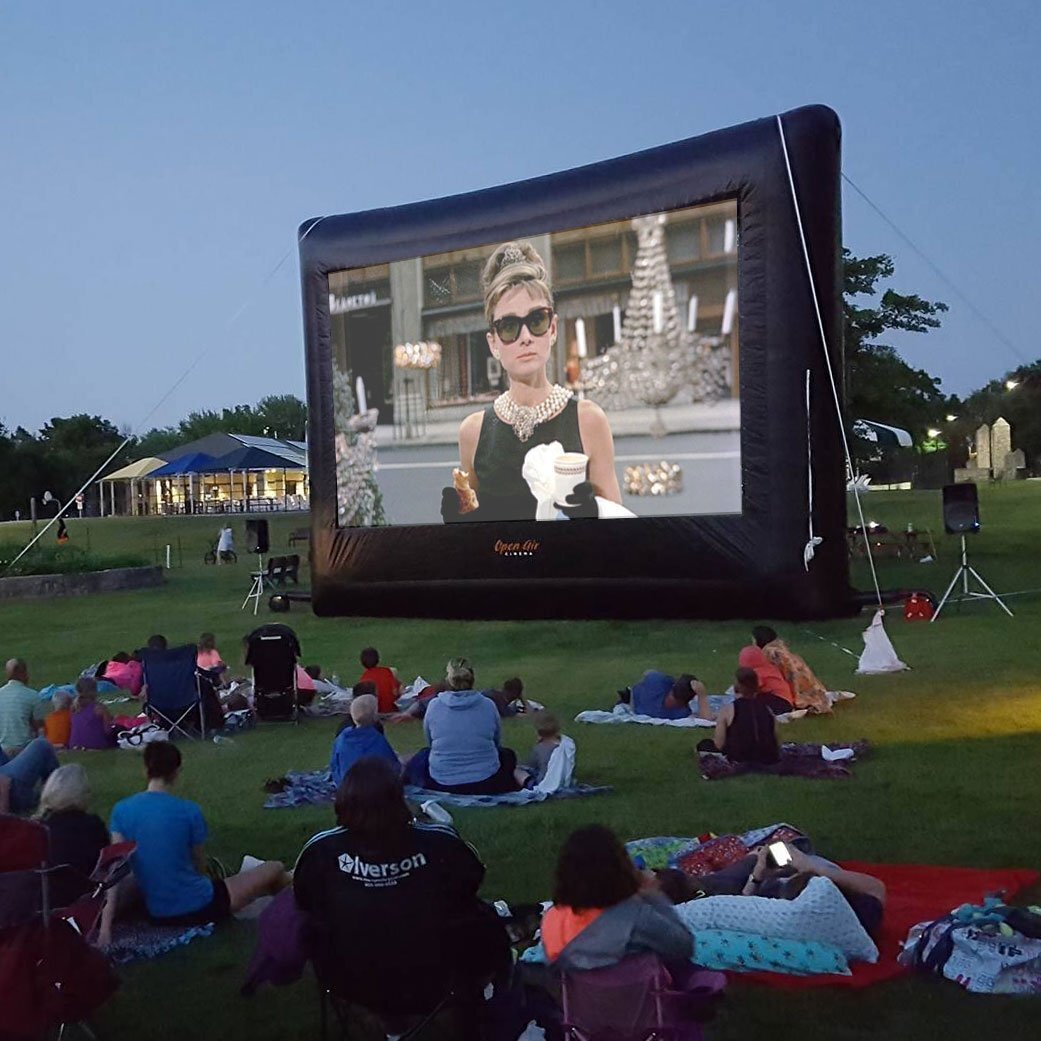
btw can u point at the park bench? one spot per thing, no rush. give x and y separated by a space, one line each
299 535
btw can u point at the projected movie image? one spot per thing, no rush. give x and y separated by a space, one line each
579 374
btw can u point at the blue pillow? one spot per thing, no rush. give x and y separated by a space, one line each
747 952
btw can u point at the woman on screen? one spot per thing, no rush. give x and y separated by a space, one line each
493 443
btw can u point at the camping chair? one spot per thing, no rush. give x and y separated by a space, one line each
355 1006
49 976
272 651
113 865
630 1001
24 871
174 700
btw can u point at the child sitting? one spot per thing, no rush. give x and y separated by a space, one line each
91 724
208 658
547 727
361 740
57 724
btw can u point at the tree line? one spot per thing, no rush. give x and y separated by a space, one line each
66 451
879 385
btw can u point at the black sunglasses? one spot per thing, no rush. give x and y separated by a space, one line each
508 328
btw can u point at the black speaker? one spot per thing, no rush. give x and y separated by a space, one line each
257 537
961 508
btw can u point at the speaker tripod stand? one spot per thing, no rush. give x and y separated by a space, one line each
256 591
965 572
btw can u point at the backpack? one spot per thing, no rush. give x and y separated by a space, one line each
987 949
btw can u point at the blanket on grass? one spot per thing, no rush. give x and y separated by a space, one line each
316 787
140 940
915 893
623 714
797 760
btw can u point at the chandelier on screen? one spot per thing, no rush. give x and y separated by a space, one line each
421 355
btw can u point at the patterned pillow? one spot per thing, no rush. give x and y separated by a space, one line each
710 856
746 952
658 852
819 912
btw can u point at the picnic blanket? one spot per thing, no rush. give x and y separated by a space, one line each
316 788
797 760
140 940
915 893
624 714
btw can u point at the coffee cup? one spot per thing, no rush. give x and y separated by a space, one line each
569 469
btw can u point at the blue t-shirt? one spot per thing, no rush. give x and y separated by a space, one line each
649 697
166 829
354 743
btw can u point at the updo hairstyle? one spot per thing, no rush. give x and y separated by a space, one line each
514 264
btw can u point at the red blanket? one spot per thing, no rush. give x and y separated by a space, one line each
915 893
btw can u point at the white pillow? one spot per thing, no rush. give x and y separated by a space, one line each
819 912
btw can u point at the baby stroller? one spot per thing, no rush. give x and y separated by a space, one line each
272 651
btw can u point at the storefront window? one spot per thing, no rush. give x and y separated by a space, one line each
683 242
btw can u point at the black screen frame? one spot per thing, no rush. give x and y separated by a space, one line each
735 565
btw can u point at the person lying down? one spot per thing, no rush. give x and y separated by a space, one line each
759 875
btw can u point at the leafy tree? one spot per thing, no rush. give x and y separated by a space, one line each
283 416
880 385
157 441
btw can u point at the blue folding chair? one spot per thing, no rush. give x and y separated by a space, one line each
173 697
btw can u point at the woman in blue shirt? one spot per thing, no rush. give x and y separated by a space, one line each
170 861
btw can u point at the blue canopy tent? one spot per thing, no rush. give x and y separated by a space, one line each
252 459
185 466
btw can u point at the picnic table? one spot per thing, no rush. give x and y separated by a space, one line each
911 543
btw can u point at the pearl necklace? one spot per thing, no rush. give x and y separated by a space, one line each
524 418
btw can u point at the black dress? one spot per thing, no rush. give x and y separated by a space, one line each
76 839
502 492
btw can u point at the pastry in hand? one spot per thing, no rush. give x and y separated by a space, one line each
467 496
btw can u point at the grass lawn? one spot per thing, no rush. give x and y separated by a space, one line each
954 778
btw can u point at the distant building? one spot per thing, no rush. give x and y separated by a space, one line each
264 473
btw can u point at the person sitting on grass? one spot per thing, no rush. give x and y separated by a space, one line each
58 722
208 658
774 690
21 710
809 693
20 775
169 865
660 696
91 723
360 690
388 687
746 730
76 836
360 741
462 730
533 770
